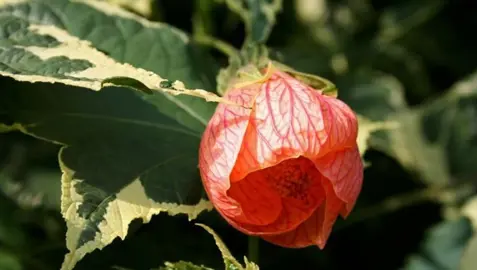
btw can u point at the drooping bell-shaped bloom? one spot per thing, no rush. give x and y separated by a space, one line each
286 164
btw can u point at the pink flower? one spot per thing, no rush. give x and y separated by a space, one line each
285 167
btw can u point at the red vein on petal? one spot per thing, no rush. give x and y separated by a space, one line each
344 169
220 146
281 125
342 125
289 120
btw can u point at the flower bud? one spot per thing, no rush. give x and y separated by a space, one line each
283 165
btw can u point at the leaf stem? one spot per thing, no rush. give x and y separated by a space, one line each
239 9
253 248
217 44
203 30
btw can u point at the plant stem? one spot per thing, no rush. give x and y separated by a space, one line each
217 44
203 30
253 248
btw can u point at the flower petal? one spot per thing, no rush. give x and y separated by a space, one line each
287 122
316 229
296 207
259 204
341 124
344 169
290 119
220 146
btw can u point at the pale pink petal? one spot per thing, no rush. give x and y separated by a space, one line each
344 169
290 120
287 123
220 146
341 124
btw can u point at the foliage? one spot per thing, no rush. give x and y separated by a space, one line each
102 111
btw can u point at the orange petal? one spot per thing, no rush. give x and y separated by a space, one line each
344 169
259 204
316 229
298 199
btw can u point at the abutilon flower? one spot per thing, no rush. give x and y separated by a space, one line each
286 164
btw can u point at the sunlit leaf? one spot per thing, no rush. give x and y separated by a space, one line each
170 53
39 53
183 266
143 7
124 159
470 211
469 258
230 262
414 151
367 127
126 154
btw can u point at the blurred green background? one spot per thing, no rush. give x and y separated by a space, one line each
409 62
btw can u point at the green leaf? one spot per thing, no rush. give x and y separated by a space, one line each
6 128
430 139
396 21
250 56
128 82
170 52
413 150
258 16
443 246
120 268
374 95
126 154
41 188
469 259
142 7
123 159
181 265
425 28
230 262
470 211
433 137
38 53
408 67
8 261
11 233
367 128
